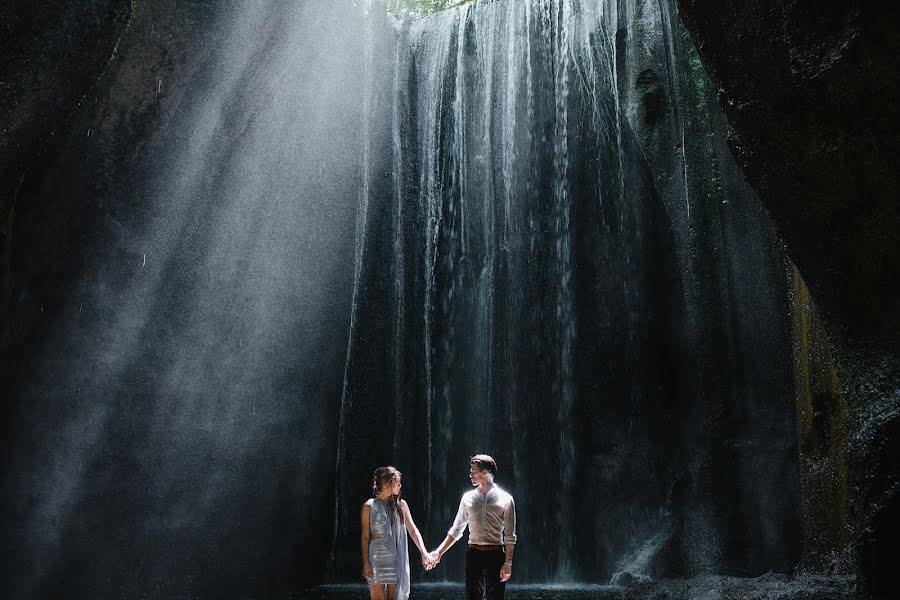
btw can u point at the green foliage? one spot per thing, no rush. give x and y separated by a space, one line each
406 8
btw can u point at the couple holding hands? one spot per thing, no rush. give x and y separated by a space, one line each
489 512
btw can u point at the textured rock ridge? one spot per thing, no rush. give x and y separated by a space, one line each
810 92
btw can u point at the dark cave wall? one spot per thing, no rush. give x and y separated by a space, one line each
51 57
809 89
822 442
735 285
89 146
124 474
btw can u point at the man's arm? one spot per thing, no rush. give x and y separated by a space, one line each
506 569
459 524
445 545
509 537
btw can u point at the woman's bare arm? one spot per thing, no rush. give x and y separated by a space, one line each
364 540
411 528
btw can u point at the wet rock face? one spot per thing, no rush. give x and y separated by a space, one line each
870 381
52 54
653 97
86 98
822 444
718 223
809 89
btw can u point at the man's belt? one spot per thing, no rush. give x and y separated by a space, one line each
486 547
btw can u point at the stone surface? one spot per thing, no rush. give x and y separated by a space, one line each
51 58
766 587
810 92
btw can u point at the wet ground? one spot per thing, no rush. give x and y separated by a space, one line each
448 591
766 587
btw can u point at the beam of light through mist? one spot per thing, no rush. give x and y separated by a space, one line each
201 348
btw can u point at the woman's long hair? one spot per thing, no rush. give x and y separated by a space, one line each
385 476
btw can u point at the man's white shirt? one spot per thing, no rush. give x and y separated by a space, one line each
491 517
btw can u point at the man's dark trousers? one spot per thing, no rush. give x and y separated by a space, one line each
483 574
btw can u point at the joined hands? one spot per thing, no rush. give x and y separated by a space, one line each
430 560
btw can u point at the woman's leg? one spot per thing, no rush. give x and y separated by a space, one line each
376 592
391 591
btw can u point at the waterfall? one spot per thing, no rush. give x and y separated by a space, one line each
563 390
522 285
495 305
398 266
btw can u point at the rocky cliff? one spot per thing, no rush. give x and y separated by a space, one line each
810 91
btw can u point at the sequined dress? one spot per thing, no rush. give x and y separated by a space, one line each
388 553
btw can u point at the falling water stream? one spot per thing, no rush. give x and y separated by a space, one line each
486 210
524 285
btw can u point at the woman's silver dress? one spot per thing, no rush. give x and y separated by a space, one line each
388 553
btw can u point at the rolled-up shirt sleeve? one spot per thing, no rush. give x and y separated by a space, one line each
460 522
509 523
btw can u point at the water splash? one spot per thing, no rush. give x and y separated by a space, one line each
635 567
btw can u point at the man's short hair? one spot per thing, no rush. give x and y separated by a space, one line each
483 462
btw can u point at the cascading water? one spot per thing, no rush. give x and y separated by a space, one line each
521 291
554 261
502 244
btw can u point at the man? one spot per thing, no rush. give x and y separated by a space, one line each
490 514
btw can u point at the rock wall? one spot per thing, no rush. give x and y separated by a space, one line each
736 309
809 90
51 60
828 523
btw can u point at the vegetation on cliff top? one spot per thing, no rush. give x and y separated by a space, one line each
406 8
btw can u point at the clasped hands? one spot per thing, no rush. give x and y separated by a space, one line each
430 560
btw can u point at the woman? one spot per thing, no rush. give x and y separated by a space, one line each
386 521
